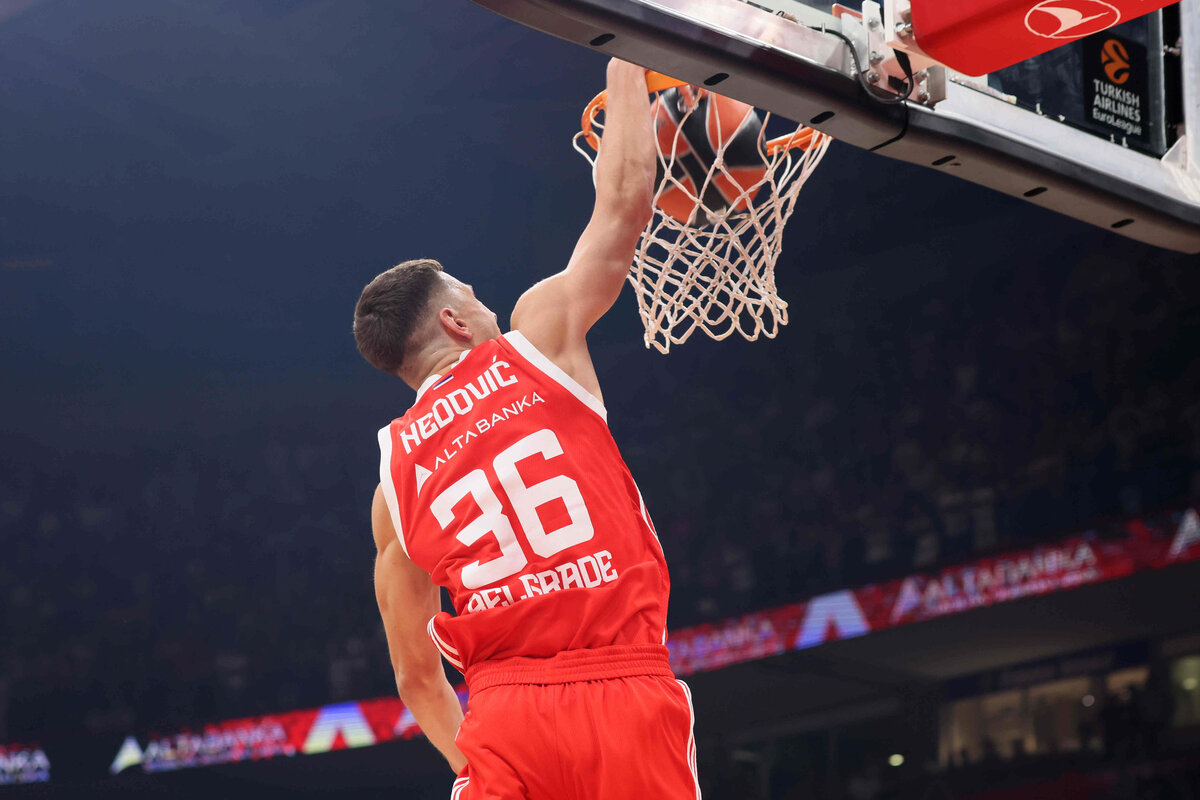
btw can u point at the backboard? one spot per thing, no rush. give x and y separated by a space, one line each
1096 128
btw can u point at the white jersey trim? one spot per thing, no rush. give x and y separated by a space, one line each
554 372
435 377
388 484
448 652
430 381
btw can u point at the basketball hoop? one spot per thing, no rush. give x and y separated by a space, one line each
712 269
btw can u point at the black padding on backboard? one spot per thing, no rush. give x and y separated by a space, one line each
686 50
838 105
1046 179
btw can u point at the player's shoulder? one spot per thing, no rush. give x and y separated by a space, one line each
538 300
381 521
541 317
571 370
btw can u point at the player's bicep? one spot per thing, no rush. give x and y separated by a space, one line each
407 598
600 264
557 313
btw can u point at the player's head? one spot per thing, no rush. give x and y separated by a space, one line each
415 307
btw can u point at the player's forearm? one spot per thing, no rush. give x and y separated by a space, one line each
435 707
626 162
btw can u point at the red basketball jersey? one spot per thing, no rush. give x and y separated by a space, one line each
504 483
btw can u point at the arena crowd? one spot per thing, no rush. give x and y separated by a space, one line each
194 577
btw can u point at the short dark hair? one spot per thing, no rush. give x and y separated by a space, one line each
390 308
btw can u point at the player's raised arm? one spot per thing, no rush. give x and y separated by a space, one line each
556 314
407 599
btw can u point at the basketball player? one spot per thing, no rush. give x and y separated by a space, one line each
503 484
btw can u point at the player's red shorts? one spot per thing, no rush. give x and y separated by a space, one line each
610 723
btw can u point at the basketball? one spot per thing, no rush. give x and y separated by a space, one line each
699 126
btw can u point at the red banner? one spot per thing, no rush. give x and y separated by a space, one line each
21 764
313 730
1077 561
981 37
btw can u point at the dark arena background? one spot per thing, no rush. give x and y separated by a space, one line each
939 539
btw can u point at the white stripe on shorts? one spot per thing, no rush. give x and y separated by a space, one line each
691 745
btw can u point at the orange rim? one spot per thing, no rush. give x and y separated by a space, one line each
657 82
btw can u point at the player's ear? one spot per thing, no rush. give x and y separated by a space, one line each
453 324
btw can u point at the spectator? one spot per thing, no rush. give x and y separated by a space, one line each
201 575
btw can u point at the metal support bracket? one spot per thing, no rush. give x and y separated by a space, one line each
779 63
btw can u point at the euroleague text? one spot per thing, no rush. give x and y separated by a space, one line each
584 573
1117 107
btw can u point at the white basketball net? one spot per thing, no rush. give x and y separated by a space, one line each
716 273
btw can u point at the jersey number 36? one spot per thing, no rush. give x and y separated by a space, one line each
525 501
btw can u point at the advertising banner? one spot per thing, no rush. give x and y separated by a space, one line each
315 730
21 764
1142 544
1089 558
978 38
1116 88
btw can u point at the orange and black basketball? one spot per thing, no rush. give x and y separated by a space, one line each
715 126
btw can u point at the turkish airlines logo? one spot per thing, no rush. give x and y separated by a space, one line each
1070 19
1115 59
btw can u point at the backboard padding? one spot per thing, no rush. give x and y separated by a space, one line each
816 77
